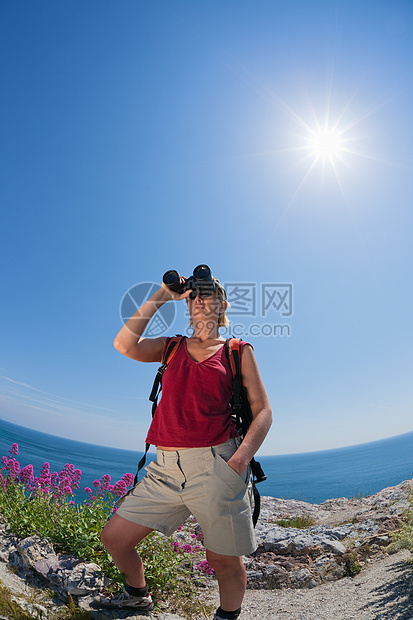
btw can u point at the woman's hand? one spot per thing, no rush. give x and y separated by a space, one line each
238 466
172 294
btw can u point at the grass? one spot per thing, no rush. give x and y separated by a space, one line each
300 523
358 495
10 609
352 569
403 537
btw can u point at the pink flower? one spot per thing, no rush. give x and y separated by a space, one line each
129 479
67 490
26 474
88 490
14 450
204 567
106 478
44 480
14 468
96 484
120 488
187 548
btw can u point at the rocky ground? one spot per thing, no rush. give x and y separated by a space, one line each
383 590
296 573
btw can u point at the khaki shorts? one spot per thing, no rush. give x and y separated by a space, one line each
196 481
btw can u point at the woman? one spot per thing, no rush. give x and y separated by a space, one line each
202 467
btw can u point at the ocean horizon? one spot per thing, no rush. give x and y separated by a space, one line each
353 471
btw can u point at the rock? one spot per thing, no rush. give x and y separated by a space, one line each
381 541
33 549
7 547
335 546
344 531
84 579
301 578
341 524
56 568
327 568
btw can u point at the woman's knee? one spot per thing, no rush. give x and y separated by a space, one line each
108 537
122 535
225 563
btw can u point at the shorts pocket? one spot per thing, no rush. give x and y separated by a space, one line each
228 475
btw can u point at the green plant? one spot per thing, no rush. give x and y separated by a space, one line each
45 506
358 495
300 523
403 537
352 569
9 608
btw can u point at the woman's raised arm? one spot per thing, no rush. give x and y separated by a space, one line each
129 340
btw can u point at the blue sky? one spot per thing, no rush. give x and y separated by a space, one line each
270 140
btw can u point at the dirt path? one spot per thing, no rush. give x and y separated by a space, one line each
382 591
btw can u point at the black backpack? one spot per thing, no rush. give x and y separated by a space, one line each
241 411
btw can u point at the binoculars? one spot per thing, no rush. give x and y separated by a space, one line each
200 283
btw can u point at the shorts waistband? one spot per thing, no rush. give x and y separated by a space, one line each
196 453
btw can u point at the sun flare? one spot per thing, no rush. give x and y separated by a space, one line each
325 143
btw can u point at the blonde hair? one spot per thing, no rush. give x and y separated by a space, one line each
223 320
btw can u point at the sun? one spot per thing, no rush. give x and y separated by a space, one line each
325 143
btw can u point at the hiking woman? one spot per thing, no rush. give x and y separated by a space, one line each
202 468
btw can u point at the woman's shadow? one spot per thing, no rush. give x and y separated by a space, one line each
394 599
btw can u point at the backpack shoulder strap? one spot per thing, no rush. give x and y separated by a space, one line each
170 349
233 352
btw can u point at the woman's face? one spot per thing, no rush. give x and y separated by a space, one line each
206 308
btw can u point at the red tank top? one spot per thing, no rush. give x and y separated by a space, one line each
194 410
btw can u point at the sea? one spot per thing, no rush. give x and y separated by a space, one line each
354 471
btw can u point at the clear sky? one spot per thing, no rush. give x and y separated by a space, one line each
271 140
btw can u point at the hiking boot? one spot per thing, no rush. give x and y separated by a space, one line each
217 615
124 599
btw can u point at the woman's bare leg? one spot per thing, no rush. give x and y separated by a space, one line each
232 579
120 538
